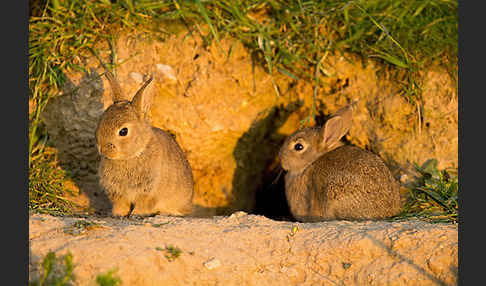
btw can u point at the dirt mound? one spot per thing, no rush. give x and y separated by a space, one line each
228 119
246 249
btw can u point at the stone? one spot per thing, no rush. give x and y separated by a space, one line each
212 263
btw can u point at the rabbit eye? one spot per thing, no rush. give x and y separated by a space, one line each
298 147
123 131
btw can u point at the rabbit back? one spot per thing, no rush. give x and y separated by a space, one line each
345 183
176 186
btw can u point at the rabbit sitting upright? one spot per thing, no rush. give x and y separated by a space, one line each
327 180
143 170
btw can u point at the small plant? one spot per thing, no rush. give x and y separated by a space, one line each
292 232
46 184
54 272
58 271
80 227
171 252
160 224
434 194
108 279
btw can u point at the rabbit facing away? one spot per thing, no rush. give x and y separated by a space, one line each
143 170
327 180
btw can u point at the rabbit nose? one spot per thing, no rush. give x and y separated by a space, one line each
108 148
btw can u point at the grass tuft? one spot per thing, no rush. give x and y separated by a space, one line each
56 271
47 193
108 279
171 252
434 195
292 36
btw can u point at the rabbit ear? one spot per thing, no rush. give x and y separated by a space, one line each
346 113
142 101
116 91
337 126
331 132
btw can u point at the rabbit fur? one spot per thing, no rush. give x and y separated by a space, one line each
143 170
327 180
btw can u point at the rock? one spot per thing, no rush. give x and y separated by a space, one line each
166 71
238 214
212 263
255 251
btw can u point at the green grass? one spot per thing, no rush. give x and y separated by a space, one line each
58 271
46 189
405 35
434 195
108 279
287 37
171 252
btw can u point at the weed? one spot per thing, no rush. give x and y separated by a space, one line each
171 252
55 271
108 279
292 233
160 224
46 188
434 194
292 37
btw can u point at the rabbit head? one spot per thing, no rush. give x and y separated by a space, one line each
124 129
305 146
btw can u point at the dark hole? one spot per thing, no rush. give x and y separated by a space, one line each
196 56
269 191
270 200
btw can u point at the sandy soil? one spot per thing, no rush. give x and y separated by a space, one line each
243 249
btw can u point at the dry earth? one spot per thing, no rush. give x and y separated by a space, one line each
244 249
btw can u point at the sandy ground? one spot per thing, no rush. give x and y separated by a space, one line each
243 249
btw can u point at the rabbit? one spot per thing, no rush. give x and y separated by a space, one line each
327 180
142 169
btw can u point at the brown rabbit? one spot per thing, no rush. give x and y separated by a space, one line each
327 180
142 168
